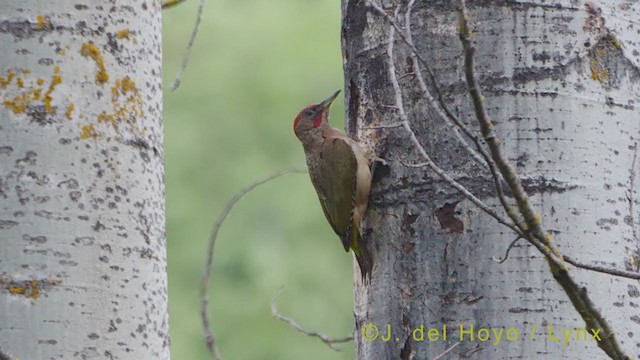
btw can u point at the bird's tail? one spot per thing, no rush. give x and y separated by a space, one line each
363 255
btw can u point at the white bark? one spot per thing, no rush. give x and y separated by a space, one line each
82 216
561 84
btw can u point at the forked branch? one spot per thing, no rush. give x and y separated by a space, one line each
577 294
331 342
206 275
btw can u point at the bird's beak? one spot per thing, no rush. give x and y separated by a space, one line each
326 103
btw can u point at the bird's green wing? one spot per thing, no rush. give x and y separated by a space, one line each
338 168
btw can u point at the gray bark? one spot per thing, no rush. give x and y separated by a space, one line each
82 215
561 83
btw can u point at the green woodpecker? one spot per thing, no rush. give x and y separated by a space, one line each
339 171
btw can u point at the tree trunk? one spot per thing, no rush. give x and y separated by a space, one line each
82 215
561 84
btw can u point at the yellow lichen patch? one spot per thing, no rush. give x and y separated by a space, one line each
88 131
42 22
598 72
123 34
127 104
26 71
47 96
28 92
127 107
27 288
615 42
70 109
90 50
5 81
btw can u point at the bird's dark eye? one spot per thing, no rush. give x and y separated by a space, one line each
309 113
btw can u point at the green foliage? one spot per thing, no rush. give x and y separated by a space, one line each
254 65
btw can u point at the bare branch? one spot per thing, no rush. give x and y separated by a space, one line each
537 235
324 338
506 254
187 52
444 112
171 3
446 351
429 163
454 125
602 269
204 284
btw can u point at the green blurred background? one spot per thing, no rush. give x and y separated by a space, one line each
254 65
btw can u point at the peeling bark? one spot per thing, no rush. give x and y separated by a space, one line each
561 84
82 216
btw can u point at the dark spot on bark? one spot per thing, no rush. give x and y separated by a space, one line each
520 310
633 291
41 199
37 239
70 184
104 259
543 185
98 227
85 240
64 141
6 150
81 7
407 353
407 221
29 159
354 101
45 61
447 218
379 171
93 336
144 6
47 342
75 195
7 224
112 44
19 29
354 22
68 263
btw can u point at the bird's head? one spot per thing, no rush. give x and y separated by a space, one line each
313 116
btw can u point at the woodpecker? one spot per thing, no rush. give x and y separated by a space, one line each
339 171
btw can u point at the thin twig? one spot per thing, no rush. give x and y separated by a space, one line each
506 254
187 52
405 123
455 126
576 293
204 285
171 3
444 112
602 269
324 338
446 351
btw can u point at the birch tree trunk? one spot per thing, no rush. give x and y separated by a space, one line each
561 83
82 216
